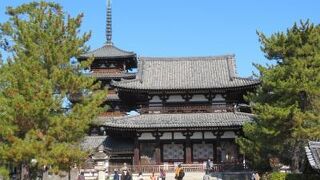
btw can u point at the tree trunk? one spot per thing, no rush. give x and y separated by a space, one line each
25 175
296 157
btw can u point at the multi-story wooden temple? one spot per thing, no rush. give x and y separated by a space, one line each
190 108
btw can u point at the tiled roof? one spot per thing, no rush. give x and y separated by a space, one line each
188 120
107 51
90 143
88 164
313 154
212 72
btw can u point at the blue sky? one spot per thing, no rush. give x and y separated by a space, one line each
189 27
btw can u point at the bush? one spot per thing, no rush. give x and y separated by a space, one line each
289 176
277 176
4 174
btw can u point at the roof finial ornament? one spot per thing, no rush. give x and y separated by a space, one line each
109 24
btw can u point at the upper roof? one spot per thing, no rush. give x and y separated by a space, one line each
313 154
106 52
210 72
169 121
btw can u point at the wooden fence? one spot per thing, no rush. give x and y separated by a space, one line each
171 168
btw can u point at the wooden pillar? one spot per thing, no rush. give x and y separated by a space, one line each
214 160
218 135
188 144
188 152
136 152
157 135
158 155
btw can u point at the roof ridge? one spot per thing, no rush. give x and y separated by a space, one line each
178 58
246 78
239 113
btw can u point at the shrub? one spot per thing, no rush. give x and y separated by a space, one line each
289 176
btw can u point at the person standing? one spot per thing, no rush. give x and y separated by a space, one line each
126 175
256 176
81 176
153 177
140 177
208 166
162 175
179 173
116 175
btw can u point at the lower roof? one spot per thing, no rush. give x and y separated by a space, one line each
168 121
313 154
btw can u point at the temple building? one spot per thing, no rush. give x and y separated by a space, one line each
189 109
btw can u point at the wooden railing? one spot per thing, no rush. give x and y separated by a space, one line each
186 168
187 109
107 70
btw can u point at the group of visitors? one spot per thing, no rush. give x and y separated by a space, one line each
126 175
162 175
179 174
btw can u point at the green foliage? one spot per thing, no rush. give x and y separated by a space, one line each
289 176
287 104
35 83
277 176
4 174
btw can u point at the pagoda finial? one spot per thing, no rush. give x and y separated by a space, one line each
109 24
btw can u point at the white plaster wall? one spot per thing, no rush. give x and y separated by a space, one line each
209 135
196 135
155 99
166 136
218 98
178 135
146 136
228 134
198 98
175 98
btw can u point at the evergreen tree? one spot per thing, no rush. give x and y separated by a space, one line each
37 126
287 104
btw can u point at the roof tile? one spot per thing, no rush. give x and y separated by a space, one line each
186 73
107 51
313 154
189 120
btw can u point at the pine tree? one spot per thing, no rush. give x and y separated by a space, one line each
287 105
36 122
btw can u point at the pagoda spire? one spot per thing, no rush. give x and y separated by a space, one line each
109 24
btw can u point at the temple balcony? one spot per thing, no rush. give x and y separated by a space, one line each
147 109
112 73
